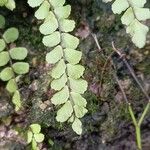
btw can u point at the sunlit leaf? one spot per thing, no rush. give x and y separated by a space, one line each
11 35
59 69
29 136
77 126
16 100
21 67
35 3
80 111
11 86
18 53
2 45
67 25
64 112
4 58
11 4
39 137
6 74
36 128
61 96
57 3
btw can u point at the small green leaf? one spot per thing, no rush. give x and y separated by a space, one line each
57 3
78 86
72 56
79 111
128 16
137 3
4 58
77 126
61 96
59 69
18 53
11 86
138 31
29 136
39 137
36 128
11 4
16 100
2 22
142 13
50 24
78 99
6 74
21 67
119 6
43 10
63 12
11 35
64 112
67 25
70 41
75 71
3 2
58 84
35 3
55 55
52 39
2 45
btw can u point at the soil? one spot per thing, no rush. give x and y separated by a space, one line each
107 125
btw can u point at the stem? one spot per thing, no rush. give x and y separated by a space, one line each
138 137
144 114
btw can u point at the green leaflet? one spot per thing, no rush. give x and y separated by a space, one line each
63 12
52 39
11 35
36 128
11 86
43 10
17 100
139 3
55 55
64 112
142 13
50 24
77 126
59 69
61 96
6 74
128 16
11 4
29 136
69 41
58 84
75 71
67 25
2 45
138 32
4 58
18 53
3 2
72 56
78 86
35 3
21 67
79 111
39 137
2 22
78 99
57 3
119 6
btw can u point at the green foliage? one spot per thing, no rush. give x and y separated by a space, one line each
35 136
10 4
9 67
66 73
133 14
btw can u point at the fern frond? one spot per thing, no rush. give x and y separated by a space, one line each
9 68
67 73
134 14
